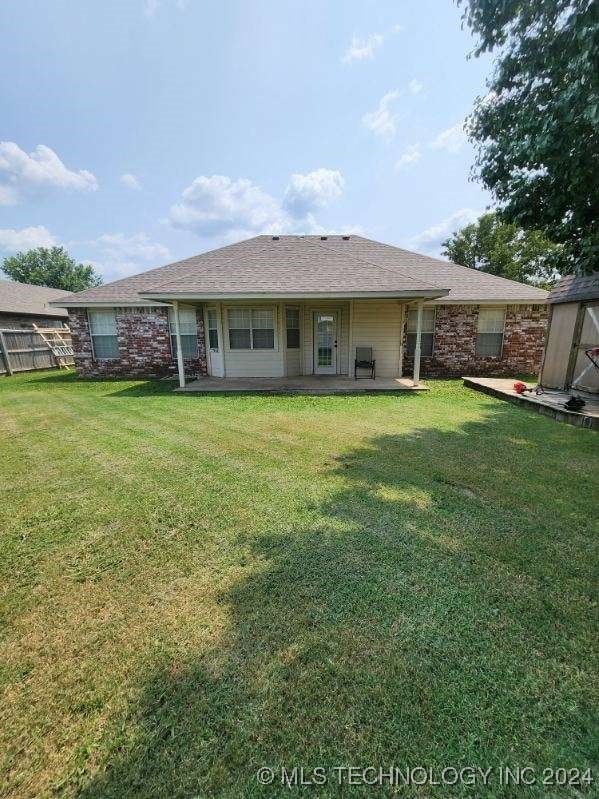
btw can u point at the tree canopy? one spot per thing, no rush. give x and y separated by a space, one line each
504 249
51 267
538 127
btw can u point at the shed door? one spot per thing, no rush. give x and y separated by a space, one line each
585 375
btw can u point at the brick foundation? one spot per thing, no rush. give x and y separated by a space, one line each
454 345
144 345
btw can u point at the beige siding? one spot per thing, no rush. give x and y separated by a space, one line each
377 324
294 362
264 363
559 343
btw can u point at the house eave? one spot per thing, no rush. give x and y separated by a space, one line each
293 295
490 301
117 303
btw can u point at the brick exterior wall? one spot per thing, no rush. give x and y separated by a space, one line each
454 344
144 345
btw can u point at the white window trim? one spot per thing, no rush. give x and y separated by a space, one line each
211 309
491 308
299 326
92 335
172 335
273 308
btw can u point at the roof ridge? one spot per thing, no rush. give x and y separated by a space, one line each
372 263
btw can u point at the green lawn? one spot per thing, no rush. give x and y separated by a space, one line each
196 586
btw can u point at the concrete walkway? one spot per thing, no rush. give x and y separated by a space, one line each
306 384
549 403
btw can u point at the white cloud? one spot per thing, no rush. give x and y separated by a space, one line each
452 139
361 49
429 241
150 7
130 181
410 156
218 205
27 238
397 29
415 87
306 193
118 255
382 122
22 173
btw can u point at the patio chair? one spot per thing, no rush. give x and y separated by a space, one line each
364 360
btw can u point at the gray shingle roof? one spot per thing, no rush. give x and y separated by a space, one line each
576 289
297 265
25 298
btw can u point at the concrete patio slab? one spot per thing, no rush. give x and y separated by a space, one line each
549 403
305 384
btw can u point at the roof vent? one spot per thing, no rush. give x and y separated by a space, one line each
275 238
345 238
323 238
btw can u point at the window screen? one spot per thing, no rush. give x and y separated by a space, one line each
263 329
489 339
240 328
251 328
292 319
427 332
188 327
212 329
102 325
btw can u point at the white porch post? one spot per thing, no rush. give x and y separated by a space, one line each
180 364
416 376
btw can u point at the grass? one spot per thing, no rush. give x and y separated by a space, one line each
193 587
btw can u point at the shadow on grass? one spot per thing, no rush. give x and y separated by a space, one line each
430 611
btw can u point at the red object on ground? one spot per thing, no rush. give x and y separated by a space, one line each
519 387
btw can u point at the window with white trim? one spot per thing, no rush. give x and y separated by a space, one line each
292 323
188 328
251 328
427 332
212 329
102 328
489 338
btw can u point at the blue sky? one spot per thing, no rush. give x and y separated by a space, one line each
136 132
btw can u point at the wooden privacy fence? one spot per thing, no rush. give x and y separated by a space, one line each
24 349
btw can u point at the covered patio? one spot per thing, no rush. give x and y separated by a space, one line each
303 384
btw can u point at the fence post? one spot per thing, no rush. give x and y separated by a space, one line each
4 351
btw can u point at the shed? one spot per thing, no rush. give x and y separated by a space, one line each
572 335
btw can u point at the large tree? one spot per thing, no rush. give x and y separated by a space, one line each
538 126
504 249
51 267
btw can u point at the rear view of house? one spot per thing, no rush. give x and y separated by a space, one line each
282 306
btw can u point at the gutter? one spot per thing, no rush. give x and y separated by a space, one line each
295 295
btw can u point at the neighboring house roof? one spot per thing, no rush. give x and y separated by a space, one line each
575 288
29 300
286 266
